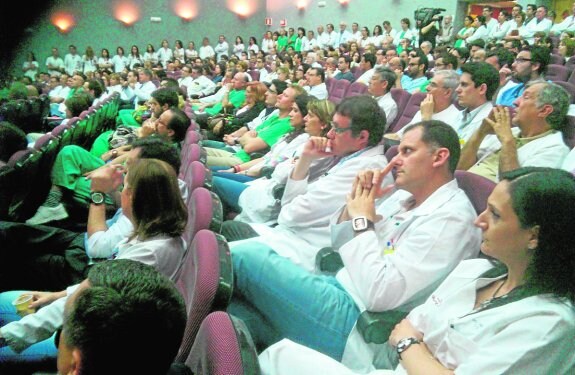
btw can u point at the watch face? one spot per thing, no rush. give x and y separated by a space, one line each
359 223
97 198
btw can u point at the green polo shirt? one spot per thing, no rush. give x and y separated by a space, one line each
270 131
235 97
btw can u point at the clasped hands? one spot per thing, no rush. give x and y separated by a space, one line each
366 190
498 123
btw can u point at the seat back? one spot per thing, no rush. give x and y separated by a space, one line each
191 153
409 111
197 175
557 72
204 212
556 59
338 89
355 89
477 188
569 87
205 281
223 346
401 98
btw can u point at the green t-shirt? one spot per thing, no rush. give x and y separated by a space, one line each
235 97
292 41
270 131
282 42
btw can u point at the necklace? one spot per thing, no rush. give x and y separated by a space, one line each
488 301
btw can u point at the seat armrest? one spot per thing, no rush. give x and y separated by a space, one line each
267 171
278 191
328 261
375 327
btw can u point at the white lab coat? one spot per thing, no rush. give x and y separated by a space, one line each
303 222
530 336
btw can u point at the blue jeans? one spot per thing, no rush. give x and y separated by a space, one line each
218 145
38 357
278 299
229 186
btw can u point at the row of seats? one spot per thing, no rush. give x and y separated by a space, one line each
214 342
27 114
25 179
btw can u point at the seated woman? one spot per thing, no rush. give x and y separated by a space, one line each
309 117
152 201
254 104
513 314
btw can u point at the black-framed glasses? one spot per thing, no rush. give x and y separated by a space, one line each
57 337
338 130
522 59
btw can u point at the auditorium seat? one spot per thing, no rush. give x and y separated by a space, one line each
205 282
223 346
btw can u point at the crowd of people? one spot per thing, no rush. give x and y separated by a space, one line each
299 174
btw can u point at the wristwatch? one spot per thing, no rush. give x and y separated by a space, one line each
96 197
361 224
404 344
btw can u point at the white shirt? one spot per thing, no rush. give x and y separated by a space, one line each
491 25
164 253
500 31
389 106
119 62
164 55
303 222
206 52
144 91
238 49
466 123
529 336
333 38
201 86
343 37
151 57
568 24
323 40
222 49
534 26
548 151
55 62
319 91
447 115
569 162
267 44
72 63
480 33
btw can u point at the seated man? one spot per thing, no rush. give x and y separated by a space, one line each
314 83
343 63
380 85
438 105
415 75
303 222
395 251
51 258
131 295
234 96
537 141
530 65
265 135
73 162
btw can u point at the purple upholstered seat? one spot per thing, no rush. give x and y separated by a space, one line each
355 89
557 72
401 98
338 89
197 175
476 187
409 111
205 282
223 346
204 212
43 141
190 153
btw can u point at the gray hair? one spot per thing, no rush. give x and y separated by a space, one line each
386 74
426 43
450 81
558 98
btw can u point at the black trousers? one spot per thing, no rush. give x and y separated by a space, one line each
38 257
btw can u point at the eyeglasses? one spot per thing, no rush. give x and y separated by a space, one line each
57 337
273 91
522 59
338 130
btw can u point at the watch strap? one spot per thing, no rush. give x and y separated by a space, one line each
404 344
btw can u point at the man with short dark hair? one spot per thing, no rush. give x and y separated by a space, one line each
477 84
529 65
415 75
538 23
199 85
490 22
343 67
367 65
314 83
395 250
129 296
